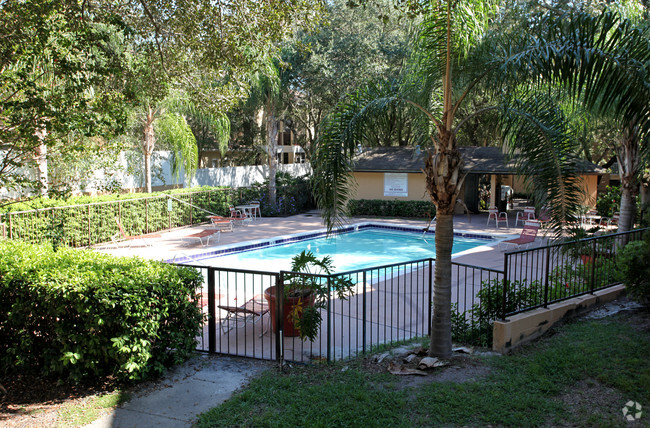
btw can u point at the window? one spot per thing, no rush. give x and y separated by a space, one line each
215 163
299 157
285 158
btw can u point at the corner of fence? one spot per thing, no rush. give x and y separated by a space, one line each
505 286
279 320
212 312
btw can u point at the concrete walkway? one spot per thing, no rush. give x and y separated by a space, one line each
177 399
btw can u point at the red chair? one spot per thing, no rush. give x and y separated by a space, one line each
498 217
527 236
238 217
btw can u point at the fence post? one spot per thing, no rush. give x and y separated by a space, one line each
11 229
329 319
546 277
593 266
505 286
363 329
279 319
212 320
430 297
89 228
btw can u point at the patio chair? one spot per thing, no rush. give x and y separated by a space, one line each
527 214
613 221
256 211
527 236
239 217
221 223
250 312
131 238
498 217
205 234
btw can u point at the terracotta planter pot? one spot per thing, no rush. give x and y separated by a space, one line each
289 302
586 258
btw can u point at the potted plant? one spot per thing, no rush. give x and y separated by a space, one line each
577 246
306 291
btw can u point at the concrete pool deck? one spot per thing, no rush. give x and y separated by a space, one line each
172 243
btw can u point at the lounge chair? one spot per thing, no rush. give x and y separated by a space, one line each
205 234
131 238
221 223
238 217
250 312
527 236
498 217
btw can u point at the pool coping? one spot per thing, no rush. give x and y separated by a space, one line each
256 244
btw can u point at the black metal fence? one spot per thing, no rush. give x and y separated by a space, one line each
541 276
389 304
393 303
94 223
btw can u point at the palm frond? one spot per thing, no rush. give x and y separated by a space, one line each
173 128
537 138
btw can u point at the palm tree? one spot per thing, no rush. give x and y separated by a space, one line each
601 61
449 37
167 120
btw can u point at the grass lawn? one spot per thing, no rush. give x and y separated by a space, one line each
580 375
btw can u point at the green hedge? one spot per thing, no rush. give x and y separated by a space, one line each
78 314
386 208
85 221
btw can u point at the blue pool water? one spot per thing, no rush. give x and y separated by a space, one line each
349 251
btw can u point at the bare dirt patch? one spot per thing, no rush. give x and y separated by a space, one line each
461 367
32 401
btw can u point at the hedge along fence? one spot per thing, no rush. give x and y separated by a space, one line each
93 223
79 314
391 208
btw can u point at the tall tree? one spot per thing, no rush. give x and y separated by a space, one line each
451 65
60 73
353 47
601 61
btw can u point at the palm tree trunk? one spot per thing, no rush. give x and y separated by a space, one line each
148 143
272 144
440 345
627 155
41 163
444 180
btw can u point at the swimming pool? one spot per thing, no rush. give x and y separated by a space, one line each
357 247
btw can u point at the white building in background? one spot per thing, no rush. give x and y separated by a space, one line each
128 175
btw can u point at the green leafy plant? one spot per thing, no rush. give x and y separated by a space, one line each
312 284
634 269
391 208
474 326
77 314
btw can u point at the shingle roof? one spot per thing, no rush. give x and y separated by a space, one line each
478 160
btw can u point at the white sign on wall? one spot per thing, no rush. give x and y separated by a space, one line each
396 184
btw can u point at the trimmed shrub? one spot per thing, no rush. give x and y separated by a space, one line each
475 325
633 263
78 314
388 208
76 223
